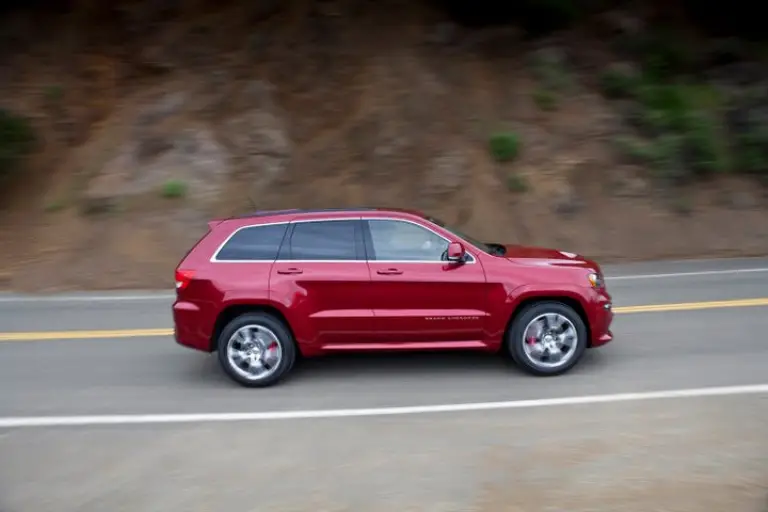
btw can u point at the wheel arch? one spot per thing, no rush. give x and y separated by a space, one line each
233 311
569 300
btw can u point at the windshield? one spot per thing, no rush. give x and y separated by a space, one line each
480 245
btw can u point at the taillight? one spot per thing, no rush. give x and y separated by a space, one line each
183 278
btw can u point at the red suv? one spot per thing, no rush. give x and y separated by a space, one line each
264 289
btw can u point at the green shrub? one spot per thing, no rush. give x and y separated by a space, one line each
668 101
752 150
517 184
706 145
654 122
634 150
618 82
663 53
545 99
667 158
173 189
551 71
55 206
504 146
54 93
16 141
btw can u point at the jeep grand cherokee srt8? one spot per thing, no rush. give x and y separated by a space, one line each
263 289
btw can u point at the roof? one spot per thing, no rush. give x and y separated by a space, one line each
300 211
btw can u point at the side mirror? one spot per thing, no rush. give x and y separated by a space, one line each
456 252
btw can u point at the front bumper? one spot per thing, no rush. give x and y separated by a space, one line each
602 320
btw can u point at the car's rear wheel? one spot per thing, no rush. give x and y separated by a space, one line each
547 338
256 349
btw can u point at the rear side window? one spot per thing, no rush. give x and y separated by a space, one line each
324 240
254 243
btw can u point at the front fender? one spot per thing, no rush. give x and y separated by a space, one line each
524 294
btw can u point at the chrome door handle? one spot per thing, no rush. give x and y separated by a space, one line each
291 270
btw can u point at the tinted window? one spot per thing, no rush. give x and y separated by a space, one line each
404 241
329 240
256 243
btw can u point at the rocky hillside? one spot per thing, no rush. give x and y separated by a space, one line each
125 126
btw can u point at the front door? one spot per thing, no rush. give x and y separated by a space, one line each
417 296
319 277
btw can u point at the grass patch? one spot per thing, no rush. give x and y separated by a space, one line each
551 73
690 129
517 184
16 141
682 122
174 189
55 206
752 150
545 99
706 144
504 146
634 150
618 81
54 93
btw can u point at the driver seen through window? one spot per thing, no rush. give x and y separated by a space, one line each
403 241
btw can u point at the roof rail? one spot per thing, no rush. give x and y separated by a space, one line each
262 213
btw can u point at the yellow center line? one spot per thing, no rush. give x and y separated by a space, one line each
692 306
147 333
81 335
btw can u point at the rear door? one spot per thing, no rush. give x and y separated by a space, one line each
416 295
320 276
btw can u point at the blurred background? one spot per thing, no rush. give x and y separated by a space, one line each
622 130
633 130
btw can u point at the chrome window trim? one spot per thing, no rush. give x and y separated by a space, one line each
472 260
214 258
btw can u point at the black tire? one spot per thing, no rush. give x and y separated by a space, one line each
284 339
515 341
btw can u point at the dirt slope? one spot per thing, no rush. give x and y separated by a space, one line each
145 133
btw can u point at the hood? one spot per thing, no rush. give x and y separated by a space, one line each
528 252
547 256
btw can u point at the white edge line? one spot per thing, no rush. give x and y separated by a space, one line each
123 419
88 298
687 274
171 296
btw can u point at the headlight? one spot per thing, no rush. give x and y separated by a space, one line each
596 280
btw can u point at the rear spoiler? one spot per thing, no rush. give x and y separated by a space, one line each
213 223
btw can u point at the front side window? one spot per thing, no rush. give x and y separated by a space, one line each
324 240
480 245
254 243
394 240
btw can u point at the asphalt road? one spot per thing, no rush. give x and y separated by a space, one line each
682 454
699 455
652 351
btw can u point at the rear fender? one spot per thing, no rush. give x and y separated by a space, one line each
234 305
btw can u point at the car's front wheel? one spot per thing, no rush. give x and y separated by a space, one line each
547 338
256 349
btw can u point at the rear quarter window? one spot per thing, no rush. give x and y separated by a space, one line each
253 243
